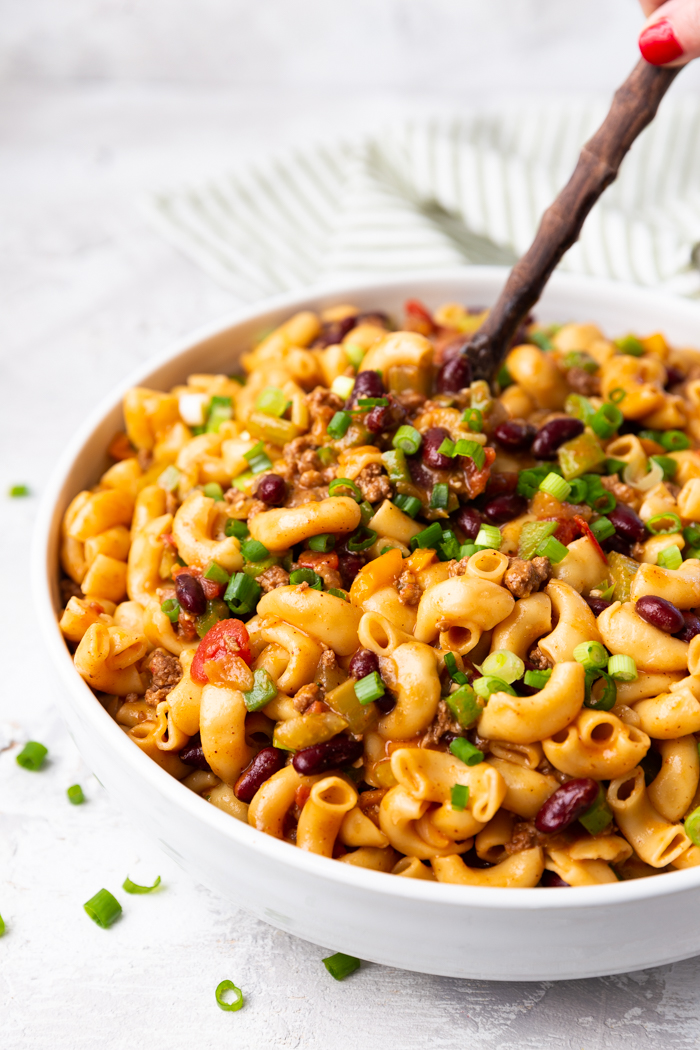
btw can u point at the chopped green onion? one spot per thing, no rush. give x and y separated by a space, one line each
455 674
32 756
465 705
272 402
306 575
339 424
504 378
169 479
466 752
372 402
459 796
324 542
474 419
242 481
361 539
75 795
18 490
258 459
668 519
366 512
326 455
369 688
491 684
171 608
340 965
606 590
489 536
338 593
541 339
674 440
354 354
407 439
103 908
532 534
670 557
622 668
591 655
691 825
555 486
252 550
669 466
606 420
467 549
222 989
447 448
473 450
691 552
578 491
343 386
220 410
606 701
650 435
617 395
503 664
344 483
580 359
529 481
215 573
537 679
257 568
691 535
579 407
629 344
615 466
2 926
135 888
408 504
598 815
428 538
236 528
264 690
448 548
440 496
602 529
242 593
213 490
552 549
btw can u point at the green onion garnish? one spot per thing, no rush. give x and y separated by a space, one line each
171 608
591 655
552 549
252 550
75 795
236 528
541 339
455 674
489 536
629 344
691 825
2 926
615 466
669 466
355 354
650 435
606 420
369 688
537 679
429 538
272 402
344 483
258 459
503 664
555 486
214 491
306 575
215 573
407 439
504 378
664 524
448 548
133 887
373 402
32 756
578 491
338 593
466 752
366 512
447 448
473 450
220 409
579 407
622 668
459 796
465 705
169 479
264 690
361 539
340 966
242 593
103 908
670 557
339 424
606 701
440 496
488 684
474 419
408 504
674 440
323 543
580 359
223 988
18 490
343 386
467 549
691 535
529 481
602 529
617 395
598 815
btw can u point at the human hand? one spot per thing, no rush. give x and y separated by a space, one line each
672 33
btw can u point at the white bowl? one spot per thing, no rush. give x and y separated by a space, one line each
456 931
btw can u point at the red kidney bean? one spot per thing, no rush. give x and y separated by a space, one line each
367 384
349 564
515 436
192 754
333 332
553 434
190 594
627 523
673 376
505 508
566 805
660 613
377 317
432 439
552 880
265 763
386 703
597 605
363 662
319 758
376 419
501 482
692 627
454 375
617 543
272 489
469 521
472 859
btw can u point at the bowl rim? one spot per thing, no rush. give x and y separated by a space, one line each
282 853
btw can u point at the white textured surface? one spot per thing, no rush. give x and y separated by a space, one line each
101 98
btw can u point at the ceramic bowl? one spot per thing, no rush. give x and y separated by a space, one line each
456 931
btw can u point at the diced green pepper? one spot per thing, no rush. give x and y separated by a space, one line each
344 702
598 815
532 534
580 455
623 570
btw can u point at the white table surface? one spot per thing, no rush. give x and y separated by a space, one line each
99 101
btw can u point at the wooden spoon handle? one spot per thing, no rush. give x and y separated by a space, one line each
633 107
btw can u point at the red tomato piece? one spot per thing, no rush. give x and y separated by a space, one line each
586 530
316 559
225 638
417 309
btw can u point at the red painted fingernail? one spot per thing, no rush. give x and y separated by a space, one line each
658 43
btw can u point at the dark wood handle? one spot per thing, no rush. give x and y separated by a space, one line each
633 107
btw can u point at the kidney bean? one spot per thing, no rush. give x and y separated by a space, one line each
432 439
333 332
469 521
515 436
319 758
553 434
617 543
376 419
192 754
660 613
627 523
501 482
454 375
272 489
364 662
552 880
472 859
566 805
673 376
692 627
265 763
367 384
190 594
505 508
349 564
386 703
597 605
377 317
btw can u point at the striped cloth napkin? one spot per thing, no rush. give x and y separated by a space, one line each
432 194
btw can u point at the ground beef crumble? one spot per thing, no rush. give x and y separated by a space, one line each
306 696
70 589
372 483
166 672
409 591
273 577
523 577
583 382
441 724
623 493
539 661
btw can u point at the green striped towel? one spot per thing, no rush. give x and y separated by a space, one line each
431 194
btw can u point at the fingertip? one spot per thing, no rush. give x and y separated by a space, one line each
658 43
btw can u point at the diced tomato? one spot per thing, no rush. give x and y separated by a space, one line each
417 309
476 479
301 795
226 638
418 317
315 559
568 529
586 530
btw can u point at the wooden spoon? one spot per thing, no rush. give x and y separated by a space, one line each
634 106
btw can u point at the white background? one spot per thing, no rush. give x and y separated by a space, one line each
99 101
